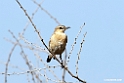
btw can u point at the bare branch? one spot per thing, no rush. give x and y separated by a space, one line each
75 41
27 24
32 24
46 12
78 57
64 71
6 69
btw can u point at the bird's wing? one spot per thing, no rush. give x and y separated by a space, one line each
66 39
49 42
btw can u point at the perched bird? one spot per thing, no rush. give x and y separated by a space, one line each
57 43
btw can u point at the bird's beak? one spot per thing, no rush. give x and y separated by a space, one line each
68 27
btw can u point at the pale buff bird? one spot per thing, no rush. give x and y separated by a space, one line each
57 43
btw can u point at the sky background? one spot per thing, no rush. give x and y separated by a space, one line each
102 56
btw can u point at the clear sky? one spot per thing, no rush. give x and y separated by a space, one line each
102 56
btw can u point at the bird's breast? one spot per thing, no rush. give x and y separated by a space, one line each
59 38
58 43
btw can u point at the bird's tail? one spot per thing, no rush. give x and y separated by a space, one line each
49 58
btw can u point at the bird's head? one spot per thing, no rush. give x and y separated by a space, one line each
61 28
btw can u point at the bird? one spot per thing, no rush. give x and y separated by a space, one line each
57 43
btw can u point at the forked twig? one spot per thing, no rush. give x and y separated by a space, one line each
32 24
27 24
46 12
75 41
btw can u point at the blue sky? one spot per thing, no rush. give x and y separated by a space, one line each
102 54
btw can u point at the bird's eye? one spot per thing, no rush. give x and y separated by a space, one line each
60 27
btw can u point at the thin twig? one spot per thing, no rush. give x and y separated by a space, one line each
33 25
11 65
74 75
64 62
36 47
46 12
6 69
27 24
48 67
79 54
75 41
23 54
26 59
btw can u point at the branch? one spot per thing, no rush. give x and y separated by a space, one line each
79 53
75 41
46 12
8 62
32 24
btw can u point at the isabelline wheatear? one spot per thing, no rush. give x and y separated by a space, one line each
57 43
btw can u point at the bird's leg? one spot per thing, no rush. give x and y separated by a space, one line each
61 58
54 57
62 64
53 51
